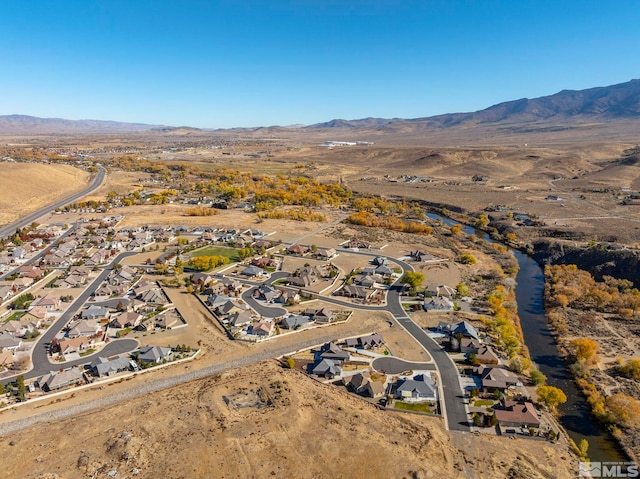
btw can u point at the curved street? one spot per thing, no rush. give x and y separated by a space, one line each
453 406
40 352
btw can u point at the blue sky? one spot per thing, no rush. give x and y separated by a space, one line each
220 64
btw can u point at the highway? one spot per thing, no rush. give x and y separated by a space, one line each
96 183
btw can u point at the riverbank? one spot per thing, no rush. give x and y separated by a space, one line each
575 415
597 329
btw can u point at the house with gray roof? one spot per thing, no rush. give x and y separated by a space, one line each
8 342
294 321
334 352
95 312
108 367
326 368
55 380
154 354
417 389
86 327
254 272
239 318
438 303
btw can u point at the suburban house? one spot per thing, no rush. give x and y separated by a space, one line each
95 312
85 327
416 389
126 320
321 316
10 343
109 367
168 319
361 383
239 318
326 368
366 342
231 306
305 277
462 329
154 297
254 272
325 253
154 354
469 346
263 328
288 296
494 378
60 379
6 292
440 290
266 293
216 300
438 303
294 321
356 292
516 414
334 352
48 302
71 345
298 249
486 355
264 262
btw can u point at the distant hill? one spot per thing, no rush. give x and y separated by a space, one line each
594 113
33 124
621 101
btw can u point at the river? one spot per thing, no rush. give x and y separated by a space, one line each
575 414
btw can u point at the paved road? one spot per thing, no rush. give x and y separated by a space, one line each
261 307
391 365
94 185
454 408
40 355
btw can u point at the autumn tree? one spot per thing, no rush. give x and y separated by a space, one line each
630 369
467 259
623 410
551 396
537 377
482 221
413 279
586 350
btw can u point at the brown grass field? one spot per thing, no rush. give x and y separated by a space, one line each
311 430
27 187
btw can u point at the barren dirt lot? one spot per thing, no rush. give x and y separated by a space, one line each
26 187
293 427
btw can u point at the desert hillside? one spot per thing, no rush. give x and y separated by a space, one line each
27 187
301 429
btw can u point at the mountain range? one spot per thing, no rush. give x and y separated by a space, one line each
620 102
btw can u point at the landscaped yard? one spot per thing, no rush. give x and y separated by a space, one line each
483 402
230 253
419 406
16 315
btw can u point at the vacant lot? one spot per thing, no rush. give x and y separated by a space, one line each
303 429
27 187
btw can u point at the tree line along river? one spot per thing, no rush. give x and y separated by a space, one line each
575 414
